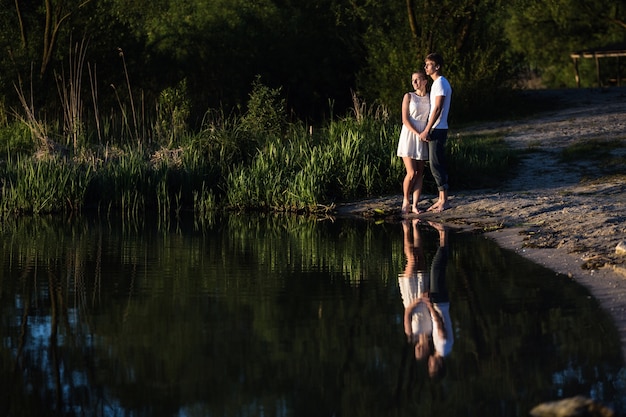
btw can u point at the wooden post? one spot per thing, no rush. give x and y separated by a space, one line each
597 55
597 68
577 75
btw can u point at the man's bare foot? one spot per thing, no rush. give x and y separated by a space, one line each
441 207
438 207
415 210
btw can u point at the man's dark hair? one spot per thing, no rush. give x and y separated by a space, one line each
436 58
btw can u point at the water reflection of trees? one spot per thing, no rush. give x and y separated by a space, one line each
89 323
116 318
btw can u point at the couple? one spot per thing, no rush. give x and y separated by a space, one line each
427 321
424 133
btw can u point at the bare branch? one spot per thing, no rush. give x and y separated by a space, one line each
20 20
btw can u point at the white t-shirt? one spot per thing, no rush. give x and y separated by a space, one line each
443 345
441 87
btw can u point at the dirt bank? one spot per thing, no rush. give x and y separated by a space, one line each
569 217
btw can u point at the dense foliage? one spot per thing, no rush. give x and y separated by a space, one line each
121 103
258 161
316 51
546 32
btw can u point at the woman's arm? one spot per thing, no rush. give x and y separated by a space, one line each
406 116
407 315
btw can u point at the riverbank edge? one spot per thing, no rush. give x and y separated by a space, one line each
606 284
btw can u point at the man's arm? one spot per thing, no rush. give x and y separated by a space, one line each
435 112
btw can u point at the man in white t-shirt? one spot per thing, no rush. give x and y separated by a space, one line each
436 131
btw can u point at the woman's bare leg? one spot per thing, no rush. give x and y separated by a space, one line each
408 184
417 185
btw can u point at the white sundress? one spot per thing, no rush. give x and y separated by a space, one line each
409 143
412 287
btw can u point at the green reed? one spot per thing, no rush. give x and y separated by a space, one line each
31 186
254 161
348 159
298 171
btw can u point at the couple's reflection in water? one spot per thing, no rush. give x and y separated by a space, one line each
427 322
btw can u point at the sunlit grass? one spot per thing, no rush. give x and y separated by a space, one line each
297 172
256 161
480 161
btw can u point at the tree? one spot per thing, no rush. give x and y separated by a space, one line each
547 32
309 49
469 35
55 14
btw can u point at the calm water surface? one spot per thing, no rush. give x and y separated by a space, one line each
285 316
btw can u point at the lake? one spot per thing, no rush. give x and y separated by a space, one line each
279 315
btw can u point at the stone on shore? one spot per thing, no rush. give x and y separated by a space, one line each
578 406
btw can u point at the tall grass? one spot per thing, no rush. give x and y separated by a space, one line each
298 173
42 186
70 93
258 160
348 159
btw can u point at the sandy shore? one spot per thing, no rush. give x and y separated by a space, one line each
568 217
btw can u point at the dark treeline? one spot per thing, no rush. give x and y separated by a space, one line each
317 52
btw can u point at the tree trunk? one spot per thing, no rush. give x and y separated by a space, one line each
20 20
412 22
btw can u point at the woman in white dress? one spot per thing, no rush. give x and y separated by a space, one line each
414 283
413 151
